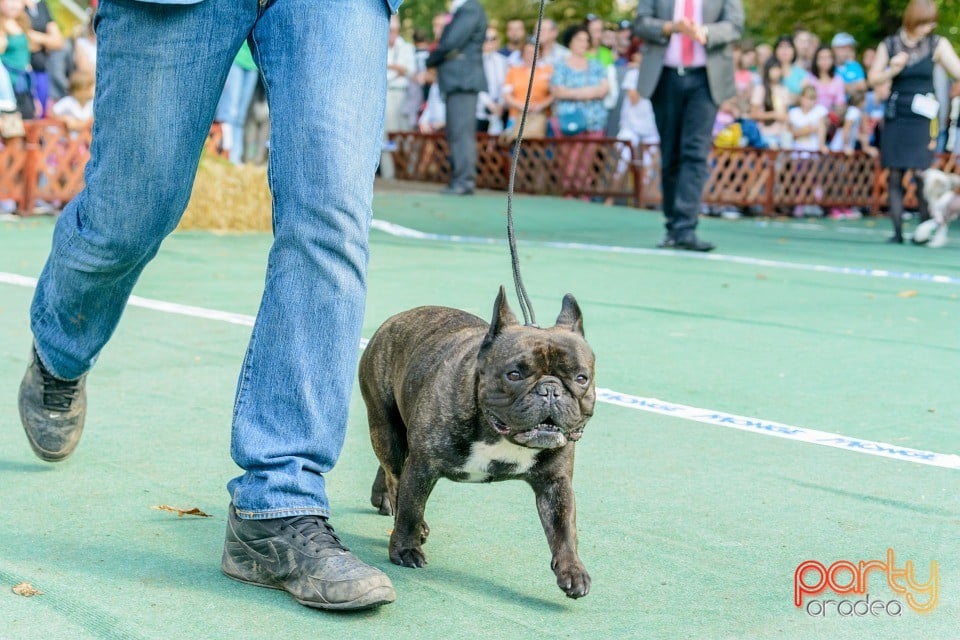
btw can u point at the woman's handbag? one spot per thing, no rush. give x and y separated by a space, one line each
534 127
572 122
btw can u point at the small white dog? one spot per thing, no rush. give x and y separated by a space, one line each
943 201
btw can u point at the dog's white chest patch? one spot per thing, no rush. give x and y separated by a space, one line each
477 466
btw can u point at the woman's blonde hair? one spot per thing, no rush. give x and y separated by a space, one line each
919 12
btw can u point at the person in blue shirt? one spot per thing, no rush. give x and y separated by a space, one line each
852 73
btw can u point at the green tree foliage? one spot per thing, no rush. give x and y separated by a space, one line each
867 20
419 13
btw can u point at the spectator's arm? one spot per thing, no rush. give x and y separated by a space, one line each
946 57
507 94
50 39
648 27
884 68
856 85
757 111
579 93
821 128
601 90
3 41
729 28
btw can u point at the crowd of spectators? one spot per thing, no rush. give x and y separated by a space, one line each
797 93
47 75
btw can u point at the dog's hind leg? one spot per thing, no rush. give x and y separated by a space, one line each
388 434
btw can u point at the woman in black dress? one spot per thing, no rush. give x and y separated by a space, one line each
907 59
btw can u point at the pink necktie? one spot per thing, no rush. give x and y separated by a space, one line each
686 44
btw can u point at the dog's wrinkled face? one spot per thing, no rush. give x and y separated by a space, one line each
535 386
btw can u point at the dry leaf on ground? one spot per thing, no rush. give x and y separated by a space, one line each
26 590
182 512
909 293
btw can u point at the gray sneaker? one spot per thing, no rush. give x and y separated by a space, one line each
303 556
52 411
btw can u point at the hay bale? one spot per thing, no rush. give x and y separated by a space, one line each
228 197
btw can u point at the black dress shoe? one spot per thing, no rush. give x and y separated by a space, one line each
456 191
667 243
695 244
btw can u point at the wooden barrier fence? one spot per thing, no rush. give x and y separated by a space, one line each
47 164
607 167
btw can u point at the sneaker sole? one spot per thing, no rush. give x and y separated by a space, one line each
376 597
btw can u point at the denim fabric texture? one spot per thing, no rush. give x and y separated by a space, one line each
160 72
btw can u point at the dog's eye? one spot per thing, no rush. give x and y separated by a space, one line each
514 376
582 379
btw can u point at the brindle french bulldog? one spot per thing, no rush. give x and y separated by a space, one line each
449 396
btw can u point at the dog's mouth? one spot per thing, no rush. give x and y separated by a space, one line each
544 435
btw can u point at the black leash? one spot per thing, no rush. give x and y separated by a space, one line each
525 305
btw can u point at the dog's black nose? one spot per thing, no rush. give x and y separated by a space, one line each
550 389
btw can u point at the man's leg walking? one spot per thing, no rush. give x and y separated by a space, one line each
326 88
158 81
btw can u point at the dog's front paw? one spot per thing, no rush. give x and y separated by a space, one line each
407 555
573 579
412 557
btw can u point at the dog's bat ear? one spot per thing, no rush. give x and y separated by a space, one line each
502 317
570 315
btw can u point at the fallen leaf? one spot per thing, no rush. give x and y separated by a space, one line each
761 276
909 293
182 512
932 410
26 590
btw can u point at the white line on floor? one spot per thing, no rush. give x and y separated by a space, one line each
652 405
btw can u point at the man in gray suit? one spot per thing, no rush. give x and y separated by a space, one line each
459 61
687 71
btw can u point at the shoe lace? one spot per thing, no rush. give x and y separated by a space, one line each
317 530
58 395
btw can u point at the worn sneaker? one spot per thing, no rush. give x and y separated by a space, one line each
52 411
303 556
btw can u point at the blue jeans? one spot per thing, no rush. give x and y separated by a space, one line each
233 106
160 71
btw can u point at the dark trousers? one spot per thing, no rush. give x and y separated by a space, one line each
461 134
684 112
895 199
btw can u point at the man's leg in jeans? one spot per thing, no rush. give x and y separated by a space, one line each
160 71
326 91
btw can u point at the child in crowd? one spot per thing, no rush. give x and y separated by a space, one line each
807 123
852 135
75 111
854 132
769 102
